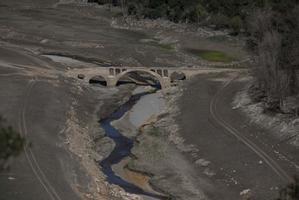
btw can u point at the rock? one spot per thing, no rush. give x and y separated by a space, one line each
11 178
176 76
209 172
104 147
246 194
44 41
171 90
260 162
202 162
81 76
97 157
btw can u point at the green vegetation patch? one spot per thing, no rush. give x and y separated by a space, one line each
156 43
11 143
168 47
211 55
154 131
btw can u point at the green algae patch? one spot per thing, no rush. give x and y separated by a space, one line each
212 56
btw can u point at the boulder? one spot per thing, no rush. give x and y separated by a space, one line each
176 76
81 76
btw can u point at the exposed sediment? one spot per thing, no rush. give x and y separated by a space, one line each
86 139
158 152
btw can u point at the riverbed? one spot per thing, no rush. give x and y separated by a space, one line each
122 126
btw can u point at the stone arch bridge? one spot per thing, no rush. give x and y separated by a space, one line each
113 74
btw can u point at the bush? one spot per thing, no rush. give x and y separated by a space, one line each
219 21
196 14
154 131
155 13
132 9
11 143
236 24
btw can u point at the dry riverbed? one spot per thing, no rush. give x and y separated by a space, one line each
87 140
157 165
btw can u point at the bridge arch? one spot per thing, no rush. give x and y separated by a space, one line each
98 79
148 71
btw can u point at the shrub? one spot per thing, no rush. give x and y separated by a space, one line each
11 143
196 14
132 9
236 24
220 21
154 131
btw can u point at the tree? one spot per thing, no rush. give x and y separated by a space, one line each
290 49
236 24
11 144
274 39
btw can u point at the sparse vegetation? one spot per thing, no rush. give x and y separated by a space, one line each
154 131
168 47
213 56
163 46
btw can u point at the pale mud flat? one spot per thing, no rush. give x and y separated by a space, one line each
145 110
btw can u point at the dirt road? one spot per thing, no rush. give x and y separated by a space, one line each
242 155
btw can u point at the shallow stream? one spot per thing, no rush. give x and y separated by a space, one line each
122 150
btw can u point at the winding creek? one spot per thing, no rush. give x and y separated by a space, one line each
143 104
123 144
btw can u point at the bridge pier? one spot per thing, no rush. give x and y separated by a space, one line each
111 81
165 82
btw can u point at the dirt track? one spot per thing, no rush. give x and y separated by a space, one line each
221 134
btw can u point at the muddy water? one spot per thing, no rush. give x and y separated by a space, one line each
136 178
122 150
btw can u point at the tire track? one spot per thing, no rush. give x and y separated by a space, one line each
38 172
251 145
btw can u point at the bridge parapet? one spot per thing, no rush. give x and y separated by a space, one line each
113 74
115 71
